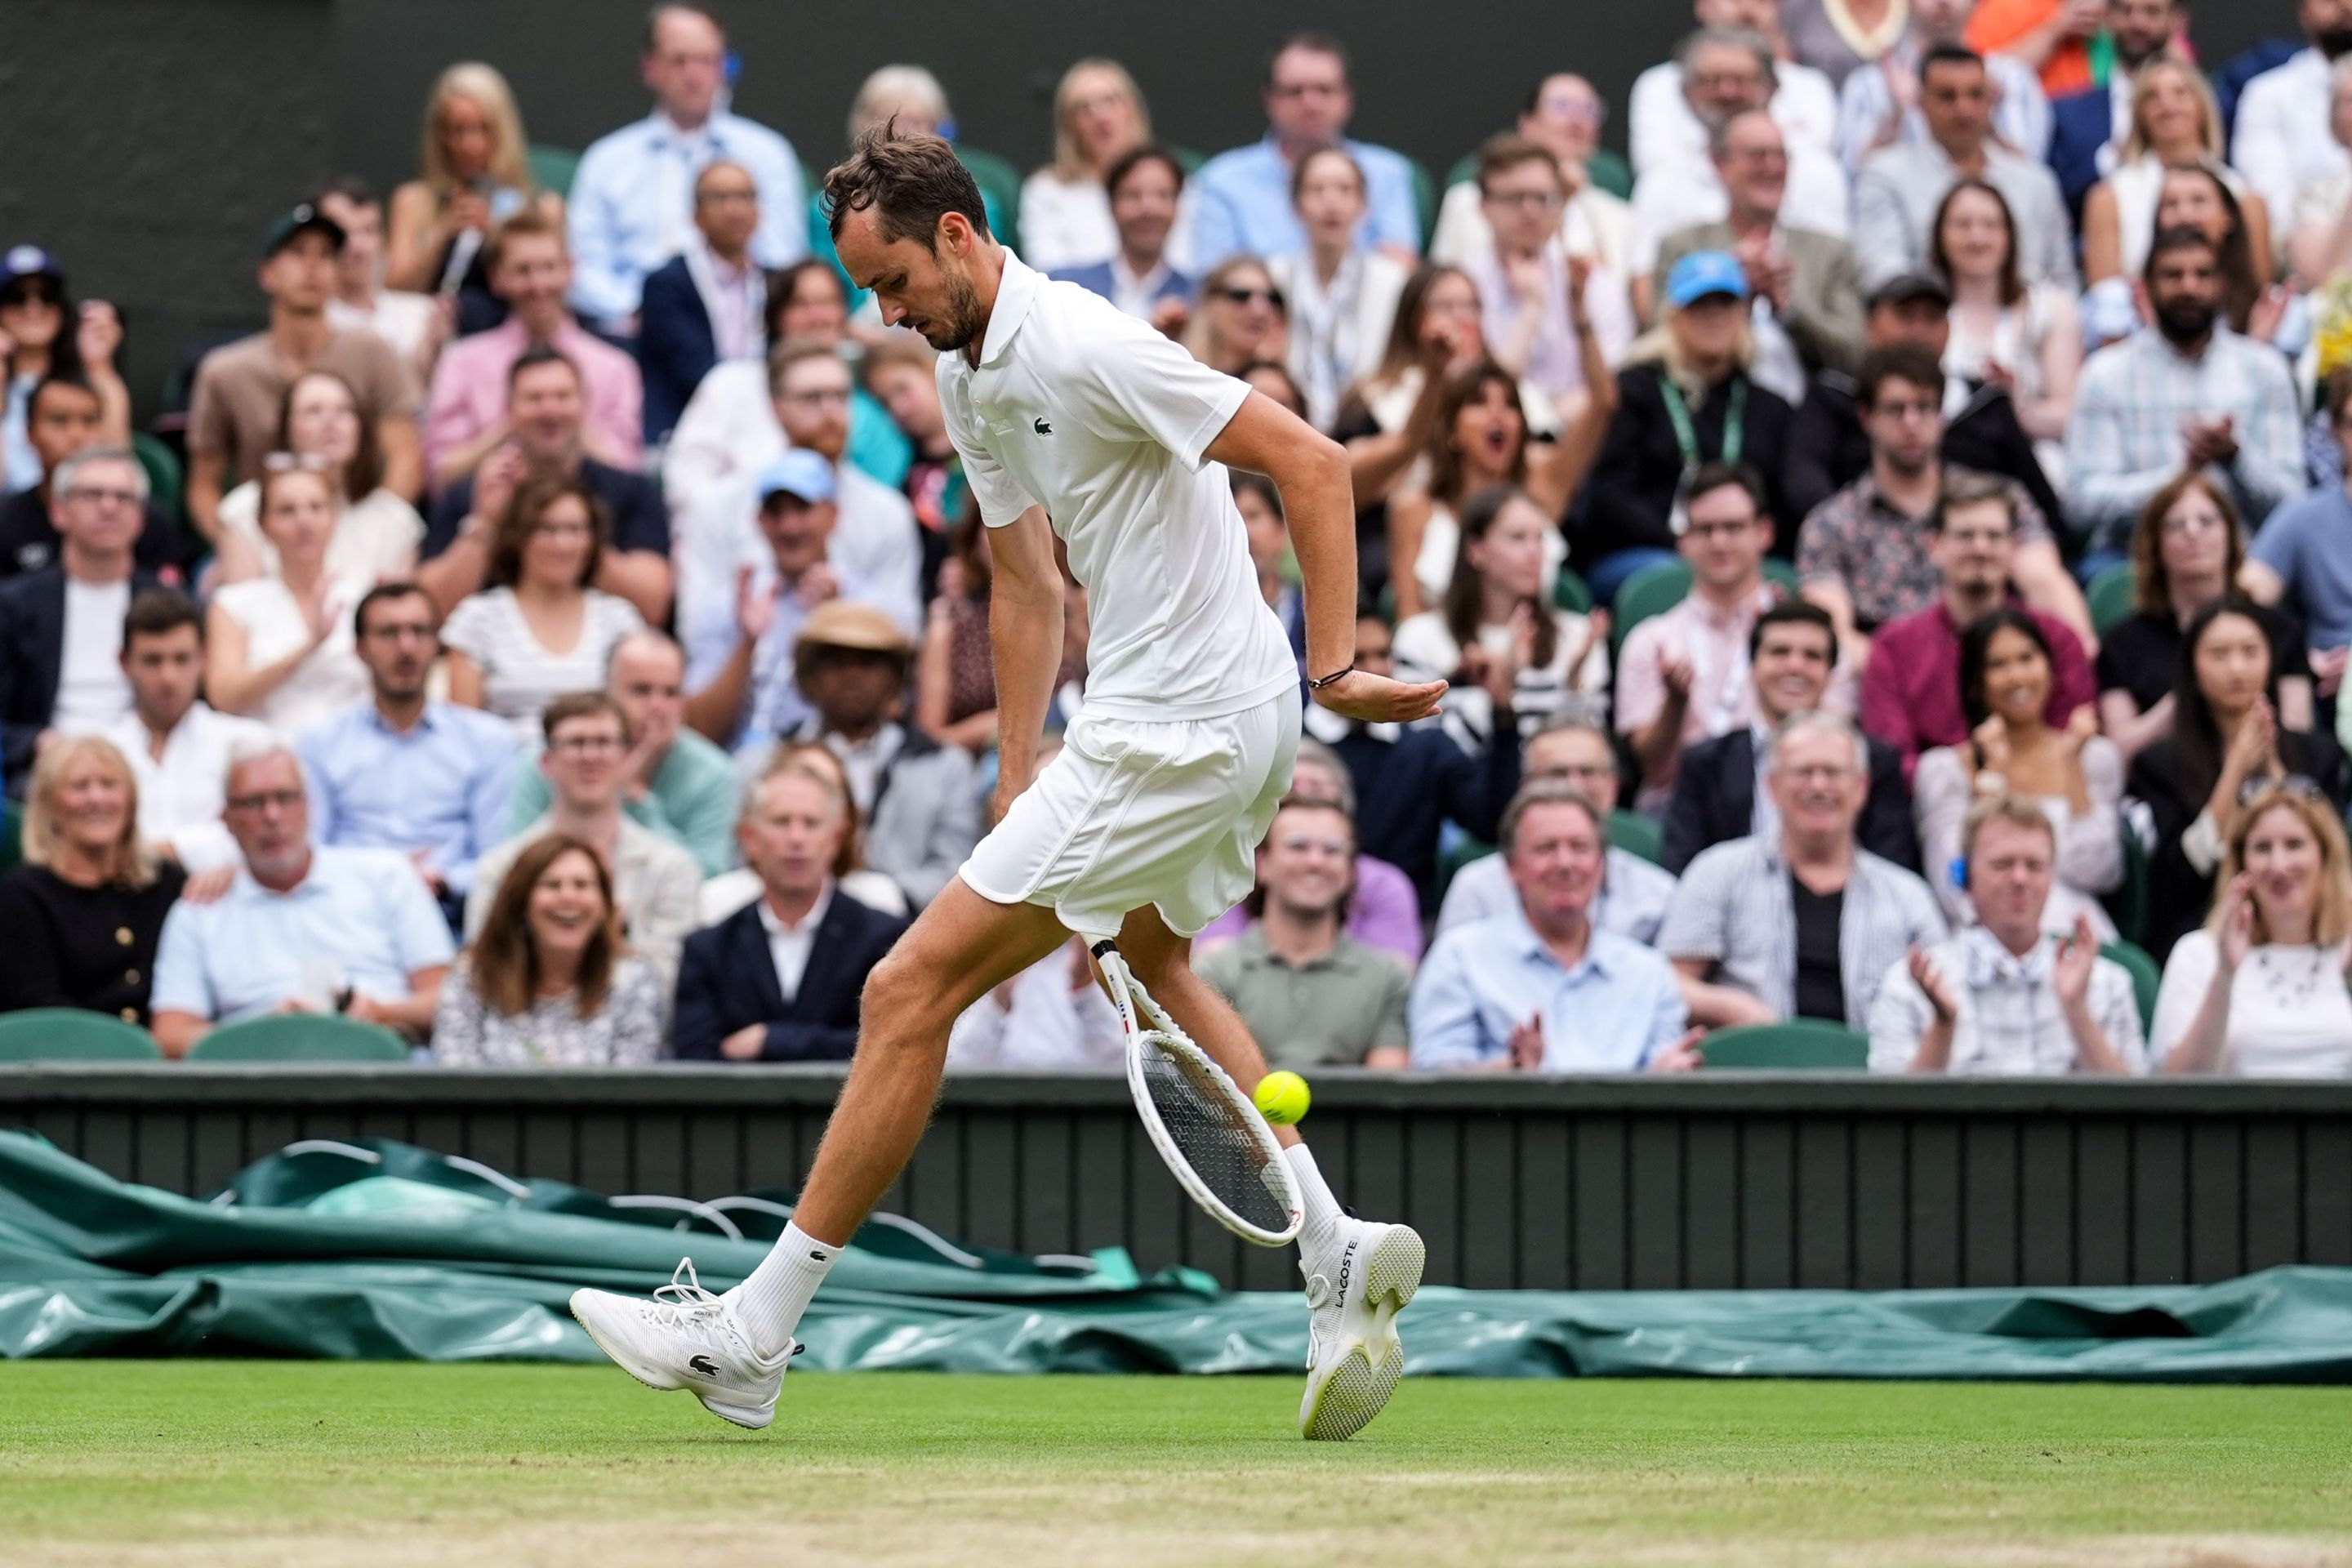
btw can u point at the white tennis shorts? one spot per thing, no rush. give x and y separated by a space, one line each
1133 812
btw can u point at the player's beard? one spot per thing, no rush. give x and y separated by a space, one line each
963 321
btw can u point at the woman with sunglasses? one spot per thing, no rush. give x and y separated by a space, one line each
1343 298
2260 991
377 532
2186 552
2226 746
2073 775
43 334
1242 317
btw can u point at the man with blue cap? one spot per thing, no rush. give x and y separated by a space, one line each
1686 398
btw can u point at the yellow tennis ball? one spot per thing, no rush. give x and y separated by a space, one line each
1282 1098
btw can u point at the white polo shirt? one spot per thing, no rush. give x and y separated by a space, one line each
1093 414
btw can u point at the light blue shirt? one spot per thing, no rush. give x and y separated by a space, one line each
1241 204
1617 1008
631 204
361 918
442 787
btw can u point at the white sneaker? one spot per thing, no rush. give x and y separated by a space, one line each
685 1337
1353 1359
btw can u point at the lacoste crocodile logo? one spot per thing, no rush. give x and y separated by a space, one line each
1042 428
702 1364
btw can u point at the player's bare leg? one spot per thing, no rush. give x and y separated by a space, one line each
732 1351
1359 1274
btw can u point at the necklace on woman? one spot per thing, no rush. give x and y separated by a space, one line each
2287 990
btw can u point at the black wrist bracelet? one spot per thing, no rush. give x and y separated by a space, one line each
1326 681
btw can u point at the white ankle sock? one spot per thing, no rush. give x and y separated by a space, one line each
770 1302
1323 1211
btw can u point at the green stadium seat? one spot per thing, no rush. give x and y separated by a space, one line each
300 1038
1568 591
166 481
1424 199
1187 156
2111 598
1610 172
12 836
1637 835
2127 905
2145 974
1000 186
71 1034
1801 1044
1450 862
552 168
1655 590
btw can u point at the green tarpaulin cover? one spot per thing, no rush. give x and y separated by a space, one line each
379 1251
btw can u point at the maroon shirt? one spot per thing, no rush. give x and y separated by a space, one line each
1911 690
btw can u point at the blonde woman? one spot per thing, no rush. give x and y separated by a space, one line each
474 174
1098 114
2174 124
1242 317
2259 992
85 911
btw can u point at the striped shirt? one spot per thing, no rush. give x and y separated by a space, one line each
1733 910
520 675
2009 1020
2123 443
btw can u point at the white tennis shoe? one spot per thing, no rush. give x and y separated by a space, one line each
685 1337
1353 1358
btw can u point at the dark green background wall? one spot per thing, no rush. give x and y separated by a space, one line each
148 142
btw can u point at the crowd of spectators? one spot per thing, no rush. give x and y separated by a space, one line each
1888 538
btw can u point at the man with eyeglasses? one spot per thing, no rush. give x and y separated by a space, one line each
1802 921
586 762
709 303
302 928
1633 895
428 779
466 416
1311 994
544 425
1540 986
1537 323
1242 197
63 415
1661 126
1865 554
1911 689
1563 115
61 626
1803 285
1727 71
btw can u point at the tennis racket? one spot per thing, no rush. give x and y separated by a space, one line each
1218 1148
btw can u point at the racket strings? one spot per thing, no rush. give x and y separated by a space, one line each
1196 1108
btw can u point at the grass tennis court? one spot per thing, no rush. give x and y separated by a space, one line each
259 1462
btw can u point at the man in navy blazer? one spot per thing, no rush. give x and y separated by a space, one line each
2083 123
70 612
780 980
1143 184
708 303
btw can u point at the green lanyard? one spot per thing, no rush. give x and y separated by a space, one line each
1734 422
2103 58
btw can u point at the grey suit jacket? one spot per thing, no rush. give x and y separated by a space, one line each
1825 314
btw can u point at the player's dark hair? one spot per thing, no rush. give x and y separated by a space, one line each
160 610
1134 158
911 182
1793 613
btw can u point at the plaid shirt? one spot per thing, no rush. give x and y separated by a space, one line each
1734 907
1880 555
2124 442
2009 1020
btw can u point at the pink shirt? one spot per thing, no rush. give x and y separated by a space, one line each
1715 641
469 392
1383 914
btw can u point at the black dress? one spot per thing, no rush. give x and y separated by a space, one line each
2179 896
92 948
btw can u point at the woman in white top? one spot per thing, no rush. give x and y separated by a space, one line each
1342 296
278 648
1478 438
376 533
2074 776
2175 123
1098 114
2319 232
551 982
2261 991
539 630
1497 636
2023 337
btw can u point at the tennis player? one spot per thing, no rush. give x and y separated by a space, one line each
1078 422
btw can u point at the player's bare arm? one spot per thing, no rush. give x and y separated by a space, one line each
1024 631
1310 469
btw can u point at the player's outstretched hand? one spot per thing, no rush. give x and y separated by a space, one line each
1377 699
